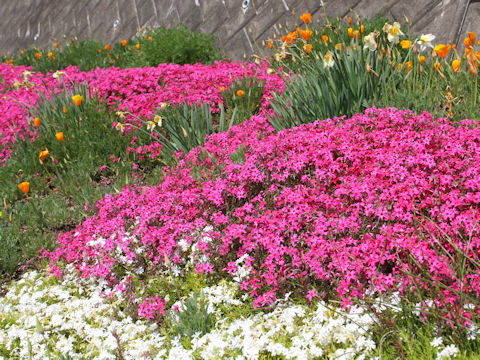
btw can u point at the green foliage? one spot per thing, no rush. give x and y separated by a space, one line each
320 92
245 95
183 128
179 45
193 318
66 179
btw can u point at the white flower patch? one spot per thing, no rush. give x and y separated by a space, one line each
44 316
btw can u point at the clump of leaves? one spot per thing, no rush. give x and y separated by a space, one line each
193 318
245 95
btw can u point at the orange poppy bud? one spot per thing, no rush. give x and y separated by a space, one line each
59 136
222 88
240 93
362 29
99 51
43 154
54 58
442 50
64 110
306 18
307 48
138 46
350 32
456 65
324 38
305 34
349 20
356 34
467 42
77 99
22 52
473 70
50 54
454 46
437 66
108 47
55 44
24 187
149 38
36 122
270 45
409 66
123 42
339 47
472 37
422 59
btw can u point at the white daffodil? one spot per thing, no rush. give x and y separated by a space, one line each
370 42
120 127
26 74
120 114
158 120
151 125
58 74
393 32
163 105
328 60
425 41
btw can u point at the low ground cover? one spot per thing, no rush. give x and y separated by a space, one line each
296 220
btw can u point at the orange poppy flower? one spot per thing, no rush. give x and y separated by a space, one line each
38 55
306 18
356 34
422 59
467 42
36 122
456 65
442 50
472 37
437 66
99 51
77 99
108 47
64 110
123 42
305 34
43 154
270 45
350 32
409 66
240 93
55 44
138 46
59 136
307 48
24 187
324 38
50 54
405 44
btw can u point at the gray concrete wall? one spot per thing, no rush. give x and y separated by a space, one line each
240 25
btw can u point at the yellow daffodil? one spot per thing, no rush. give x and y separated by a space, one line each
120 127
58 74
151 125
158 120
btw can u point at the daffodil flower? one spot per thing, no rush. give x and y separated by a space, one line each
151 125
26 74
425 41
120 114
328 60
158 120
120 127
393 32
370 42
58 74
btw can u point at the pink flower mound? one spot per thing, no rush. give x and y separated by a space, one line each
138 90
330 205
15 102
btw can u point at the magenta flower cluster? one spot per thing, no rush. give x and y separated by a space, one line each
138 91
338 204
